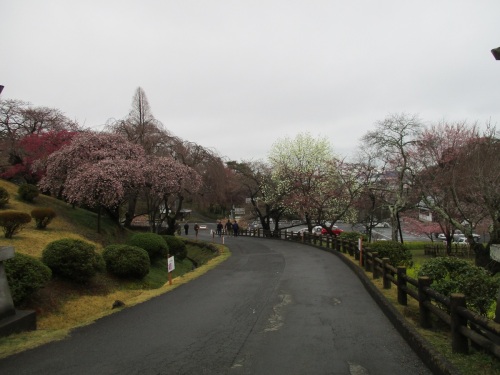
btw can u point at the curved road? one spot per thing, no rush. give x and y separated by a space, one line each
273 307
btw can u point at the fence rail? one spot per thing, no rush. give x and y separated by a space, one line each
467 328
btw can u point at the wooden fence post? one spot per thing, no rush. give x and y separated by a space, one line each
368 259
459 343
385 273
374 270
402 297
425 316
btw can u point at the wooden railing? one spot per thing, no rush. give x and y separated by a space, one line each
466 327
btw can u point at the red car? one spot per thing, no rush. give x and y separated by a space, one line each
319 229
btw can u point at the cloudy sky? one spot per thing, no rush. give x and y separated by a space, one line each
237 75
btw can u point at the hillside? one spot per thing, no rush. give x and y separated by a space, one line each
62 305
69 223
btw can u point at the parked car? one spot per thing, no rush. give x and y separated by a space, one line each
462 241
323 231
441 236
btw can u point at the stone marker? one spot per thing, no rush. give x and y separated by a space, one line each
11 320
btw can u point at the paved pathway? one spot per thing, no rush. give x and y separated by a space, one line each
273 307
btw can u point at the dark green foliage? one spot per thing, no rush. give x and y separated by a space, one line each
75 260
13 221
203 245
27 192
43 216
4 197
176 247
25 275
396 252
153 243
126 261
454 275
353 236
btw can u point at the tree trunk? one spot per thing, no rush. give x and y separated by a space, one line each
129 215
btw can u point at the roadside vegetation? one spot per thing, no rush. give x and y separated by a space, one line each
63 303
477 361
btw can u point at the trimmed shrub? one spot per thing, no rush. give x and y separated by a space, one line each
397 253
72 259
25 275
454 275
176 247
27 192
126 261
13 221
43 216
353 236
4 197
153 243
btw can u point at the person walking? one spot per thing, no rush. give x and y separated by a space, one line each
236 227
186 228
229 227
196 229
219 228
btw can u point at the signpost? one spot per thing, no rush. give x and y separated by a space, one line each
170 267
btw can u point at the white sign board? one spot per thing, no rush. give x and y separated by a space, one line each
171 264
495 252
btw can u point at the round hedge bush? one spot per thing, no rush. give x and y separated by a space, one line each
72 259
455 275
25 275
176 247
397 253
153 243
43 216
13 221
4 197
28 192
126 261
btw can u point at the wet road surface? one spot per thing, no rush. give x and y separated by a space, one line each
273 307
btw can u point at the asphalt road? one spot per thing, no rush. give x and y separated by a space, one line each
273 307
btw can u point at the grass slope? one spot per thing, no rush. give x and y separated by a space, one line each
62 305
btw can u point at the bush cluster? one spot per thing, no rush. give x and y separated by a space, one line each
72 259
13 221
27 192
126 261
25 276
397 253
353 236
153 243
176 247
4 197
455 275
43 216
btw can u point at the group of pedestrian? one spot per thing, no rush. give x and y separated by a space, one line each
186 229
228 228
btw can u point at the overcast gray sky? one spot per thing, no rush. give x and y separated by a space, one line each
236 76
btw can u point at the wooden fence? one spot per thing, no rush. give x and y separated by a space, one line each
466 327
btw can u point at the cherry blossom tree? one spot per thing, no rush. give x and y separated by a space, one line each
34 150
313 183
258 184
414 225
19 119
166 182
392 143
95 169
